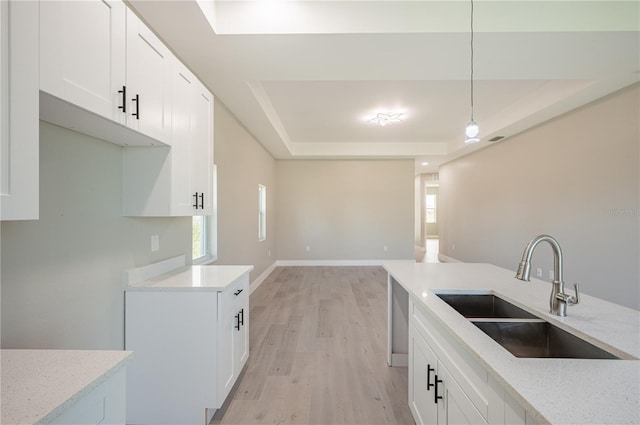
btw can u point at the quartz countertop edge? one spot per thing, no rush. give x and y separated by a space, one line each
552 390
193 278
38 385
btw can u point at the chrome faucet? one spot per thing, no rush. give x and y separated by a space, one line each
559 299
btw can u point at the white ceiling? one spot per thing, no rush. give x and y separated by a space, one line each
304 76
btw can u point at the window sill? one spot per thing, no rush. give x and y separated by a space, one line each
203 261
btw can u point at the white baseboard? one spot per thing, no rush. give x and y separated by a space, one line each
337 262
265 274
444 259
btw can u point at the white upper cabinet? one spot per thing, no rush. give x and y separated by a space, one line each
176 181
104 73
100 65
148 81
202 148
19 127
82 57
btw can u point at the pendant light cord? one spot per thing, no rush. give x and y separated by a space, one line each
472 60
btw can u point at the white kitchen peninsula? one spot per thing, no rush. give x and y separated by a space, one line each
188 328
487 380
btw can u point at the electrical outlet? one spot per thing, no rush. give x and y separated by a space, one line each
539 272
385 248
308 248
155 243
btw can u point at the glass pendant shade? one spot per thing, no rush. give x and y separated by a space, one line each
472 133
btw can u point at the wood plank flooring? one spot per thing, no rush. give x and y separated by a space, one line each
318 352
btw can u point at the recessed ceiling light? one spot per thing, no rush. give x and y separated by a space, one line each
386 118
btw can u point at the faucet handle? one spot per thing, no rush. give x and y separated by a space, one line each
573 300
569 299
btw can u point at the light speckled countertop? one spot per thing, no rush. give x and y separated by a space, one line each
37 385
198 278
557 391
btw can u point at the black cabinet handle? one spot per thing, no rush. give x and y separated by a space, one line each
198 197
242 317
238 292
237 322
137 112
429 370
124 99
437 397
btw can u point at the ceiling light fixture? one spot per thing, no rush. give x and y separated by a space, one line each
472 132
386 118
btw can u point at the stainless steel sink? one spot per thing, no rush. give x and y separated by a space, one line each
538 339
484 306
520 332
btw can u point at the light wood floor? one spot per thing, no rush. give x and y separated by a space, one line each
318 352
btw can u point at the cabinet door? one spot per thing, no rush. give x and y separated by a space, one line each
148 81
19 115
202 148
183 90
226 323
454 408
422 372
82 54
241 334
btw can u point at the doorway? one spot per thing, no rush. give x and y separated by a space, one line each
427 218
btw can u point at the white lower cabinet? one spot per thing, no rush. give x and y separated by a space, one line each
104 404
233 347
186 356
447 385
434 395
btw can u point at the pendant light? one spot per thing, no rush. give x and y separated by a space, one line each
472 132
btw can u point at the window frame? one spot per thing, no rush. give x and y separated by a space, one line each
262 213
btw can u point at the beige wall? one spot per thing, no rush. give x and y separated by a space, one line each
243 164
62 274
575 178
345 210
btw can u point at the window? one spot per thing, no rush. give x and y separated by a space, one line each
199 237
262 213
204 229
431 209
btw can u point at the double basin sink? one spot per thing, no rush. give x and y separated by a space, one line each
520 332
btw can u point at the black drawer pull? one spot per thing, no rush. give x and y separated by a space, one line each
238 292
241 317
237 322
124 99
436 396
137 112
429 370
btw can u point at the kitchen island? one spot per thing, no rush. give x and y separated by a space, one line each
63 386
549 390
